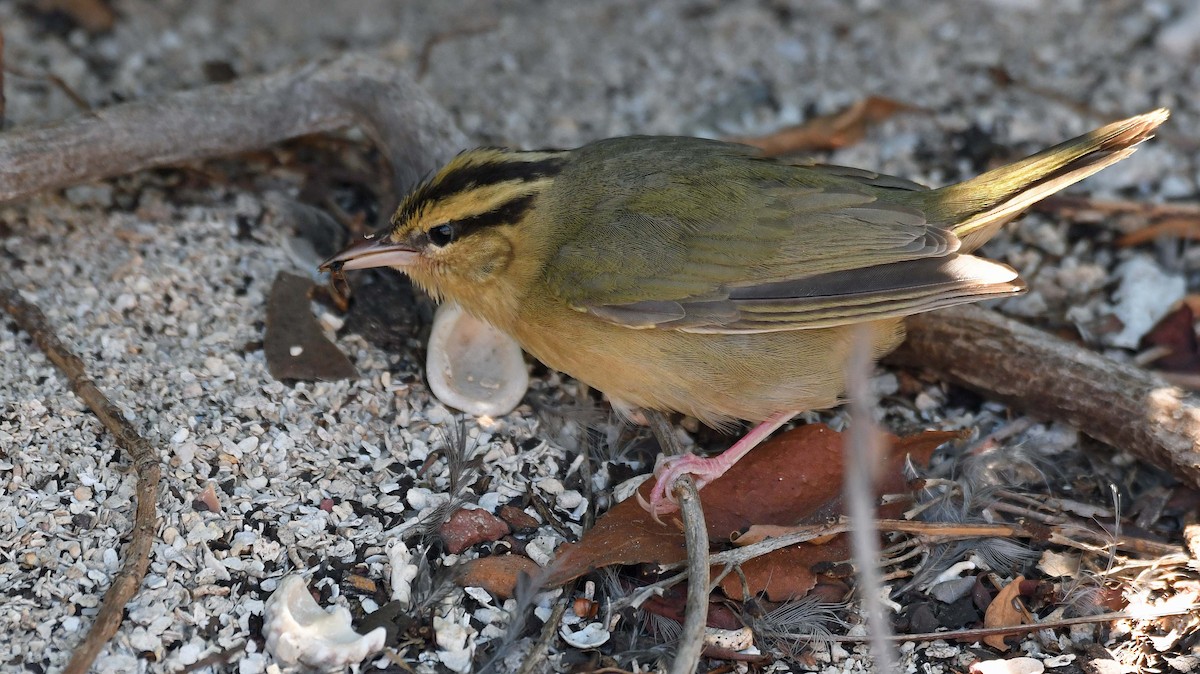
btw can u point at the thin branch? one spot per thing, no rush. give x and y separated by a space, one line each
141 453
537 652
760 540
695 535
776 538
1118 404
56 82
977 634
352 90
866 451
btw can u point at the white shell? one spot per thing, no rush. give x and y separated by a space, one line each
473 366
591 636
734 640
1010 666
404 572
298 630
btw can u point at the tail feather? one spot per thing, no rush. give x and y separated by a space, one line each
983 204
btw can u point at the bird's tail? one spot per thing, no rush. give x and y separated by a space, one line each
983 204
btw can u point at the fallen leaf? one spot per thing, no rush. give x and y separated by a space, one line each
497 574
787 574
626 534
829 132
294 345
1175 336
792 479
1180 227
672 605
1006 610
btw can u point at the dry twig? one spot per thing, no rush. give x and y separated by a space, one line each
761 540
970 635
695 536
1118 404
354 90
56 82
141 453
537 652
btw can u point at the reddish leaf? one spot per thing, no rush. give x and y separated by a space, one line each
1181 227
1006 610
1175 334
672 605
787 574
793 479
829 132
626 534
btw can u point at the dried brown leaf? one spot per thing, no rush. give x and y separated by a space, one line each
1175 337
829 132
792 479
1181 227
1006 610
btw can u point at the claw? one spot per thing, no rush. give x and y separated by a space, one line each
666 472
670 468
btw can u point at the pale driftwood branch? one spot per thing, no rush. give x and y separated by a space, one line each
354 90
141 453
1119 404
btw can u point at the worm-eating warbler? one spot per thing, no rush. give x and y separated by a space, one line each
697 276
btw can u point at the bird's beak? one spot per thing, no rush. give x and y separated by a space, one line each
374 251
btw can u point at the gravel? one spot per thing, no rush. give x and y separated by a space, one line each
154 287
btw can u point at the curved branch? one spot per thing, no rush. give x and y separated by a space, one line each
415 133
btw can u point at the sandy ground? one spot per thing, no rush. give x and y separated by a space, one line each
164 300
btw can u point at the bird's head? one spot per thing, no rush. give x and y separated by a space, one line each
462 235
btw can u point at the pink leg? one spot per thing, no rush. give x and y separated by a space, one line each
703 471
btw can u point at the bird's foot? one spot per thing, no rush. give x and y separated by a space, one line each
668 469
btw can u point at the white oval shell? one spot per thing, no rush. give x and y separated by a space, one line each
298 630
473 366
591 636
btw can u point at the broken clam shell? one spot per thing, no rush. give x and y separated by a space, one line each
473 366
298 630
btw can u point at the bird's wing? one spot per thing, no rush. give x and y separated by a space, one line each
752 245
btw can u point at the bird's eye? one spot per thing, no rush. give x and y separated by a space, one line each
441 235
